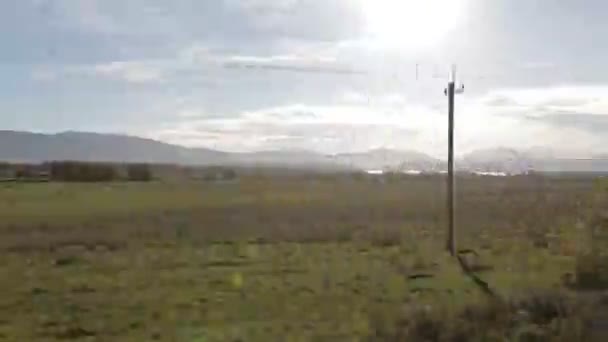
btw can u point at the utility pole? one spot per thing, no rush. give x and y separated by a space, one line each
450 92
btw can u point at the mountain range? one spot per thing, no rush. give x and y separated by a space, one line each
538 159
18 146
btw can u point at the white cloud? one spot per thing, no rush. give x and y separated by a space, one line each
586 99
286 58
43 75
196 60
539 65
225 21
191 113
134 18
84 14
133 72
351 124
326 128
384 100
542 116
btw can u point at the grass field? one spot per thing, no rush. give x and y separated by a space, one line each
328 258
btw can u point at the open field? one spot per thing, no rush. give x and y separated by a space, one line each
320 258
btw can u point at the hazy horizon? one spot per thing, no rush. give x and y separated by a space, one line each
538 151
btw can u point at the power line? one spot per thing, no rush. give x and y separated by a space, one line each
421 70
293 68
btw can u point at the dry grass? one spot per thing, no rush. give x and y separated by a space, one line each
547 315
328 258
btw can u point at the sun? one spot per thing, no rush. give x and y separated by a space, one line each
410 24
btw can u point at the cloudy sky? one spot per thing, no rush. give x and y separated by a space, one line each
324 75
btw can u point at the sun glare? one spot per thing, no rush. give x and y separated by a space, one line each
410 24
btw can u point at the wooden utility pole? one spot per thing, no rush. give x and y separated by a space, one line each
450 92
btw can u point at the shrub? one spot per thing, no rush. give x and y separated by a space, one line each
542 316
592 264
591 272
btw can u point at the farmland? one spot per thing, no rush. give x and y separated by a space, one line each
306 258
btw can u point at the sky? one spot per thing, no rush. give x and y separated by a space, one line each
324 75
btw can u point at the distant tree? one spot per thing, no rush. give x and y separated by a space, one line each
71 171
23 171
228 174
6 170
139 172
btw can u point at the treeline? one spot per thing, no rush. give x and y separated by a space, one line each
76 171
71 171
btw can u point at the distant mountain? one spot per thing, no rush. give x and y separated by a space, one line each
83 146
33 147
536 159
388 159
495 159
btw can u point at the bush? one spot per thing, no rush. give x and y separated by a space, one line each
592 264
591 272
